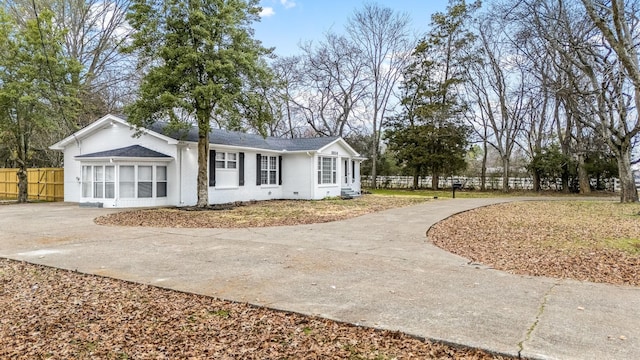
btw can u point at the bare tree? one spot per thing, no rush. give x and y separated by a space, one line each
383 38
327 85
498 86
598 61
281 98
618 20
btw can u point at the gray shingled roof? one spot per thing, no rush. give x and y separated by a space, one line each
129 151
239 139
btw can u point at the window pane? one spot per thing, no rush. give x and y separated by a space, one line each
264 174
145 189
326 164
109 190
97 190
86 173
109 173
335 173
219 164
86 181
264 162
231 164
326 177
231 156
127 173
272 177
109 182
145 173
272 163
98 185
161 189
219 155
161 173
127 182
98 173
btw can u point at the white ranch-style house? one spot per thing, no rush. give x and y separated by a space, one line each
106 165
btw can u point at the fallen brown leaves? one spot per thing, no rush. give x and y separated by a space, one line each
260 214
591 241
58 314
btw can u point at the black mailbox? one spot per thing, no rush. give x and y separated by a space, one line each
455 186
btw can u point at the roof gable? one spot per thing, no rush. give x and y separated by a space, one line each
107 120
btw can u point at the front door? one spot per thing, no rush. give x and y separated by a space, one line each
345 172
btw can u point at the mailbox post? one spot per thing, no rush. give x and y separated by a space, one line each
455 186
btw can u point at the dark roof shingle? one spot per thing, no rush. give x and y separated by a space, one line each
136 151
240 139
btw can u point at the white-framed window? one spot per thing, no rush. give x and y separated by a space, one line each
98 181
161 182
127 181
145 181
327 173
226 160
269 170
124 181
87 183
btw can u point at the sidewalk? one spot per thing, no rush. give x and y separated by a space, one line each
376 270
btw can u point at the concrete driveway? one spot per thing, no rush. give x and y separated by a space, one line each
376 270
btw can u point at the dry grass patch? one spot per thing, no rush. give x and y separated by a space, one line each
47 313
260 214
585 240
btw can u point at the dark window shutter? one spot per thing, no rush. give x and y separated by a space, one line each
280 170
241 170
258 169
212 168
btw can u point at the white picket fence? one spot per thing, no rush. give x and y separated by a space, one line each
491 183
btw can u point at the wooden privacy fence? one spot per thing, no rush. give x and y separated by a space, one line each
43 184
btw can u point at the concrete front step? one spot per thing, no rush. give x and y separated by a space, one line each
348 193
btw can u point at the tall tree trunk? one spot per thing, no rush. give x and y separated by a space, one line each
374 162
506 163
416 177
22 184
536 180
483 175
628 190
583 177
203 174
565 178
435 181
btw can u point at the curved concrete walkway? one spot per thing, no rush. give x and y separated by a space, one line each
376 270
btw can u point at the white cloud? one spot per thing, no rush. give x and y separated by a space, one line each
266 12
288 4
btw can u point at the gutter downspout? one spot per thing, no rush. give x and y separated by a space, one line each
312 182
181 149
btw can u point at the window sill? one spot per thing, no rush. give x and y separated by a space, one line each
327 185
226 187
269 186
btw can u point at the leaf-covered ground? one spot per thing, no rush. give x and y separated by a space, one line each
259 214
594 241
58 314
